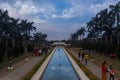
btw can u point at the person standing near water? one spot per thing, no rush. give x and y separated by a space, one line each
104 71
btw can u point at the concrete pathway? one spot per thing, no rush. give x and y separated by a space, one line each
22 70
96 70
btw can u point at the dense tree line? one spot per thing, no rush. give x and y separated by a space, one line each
103 31
15 35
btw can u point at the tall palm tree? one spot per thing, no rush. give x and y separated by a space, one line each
93 27
106 23
39 38
115 15
80 32
74 36
26 28
14 30
4 27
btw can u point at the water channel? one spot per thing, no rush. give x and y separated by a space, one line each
59 67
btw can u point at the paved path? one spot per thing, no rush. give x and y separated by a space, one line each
96 70
20 71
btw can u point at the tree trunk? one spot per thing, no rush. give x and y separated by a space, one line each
105 39
13 42
111 39
118 41
6 46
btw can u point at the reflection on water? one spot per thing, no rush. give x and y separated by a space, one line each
59 68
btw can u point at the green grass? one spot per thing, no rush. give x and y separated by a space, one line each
85 70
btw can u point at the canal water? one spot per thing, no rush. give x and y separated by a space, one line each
59 67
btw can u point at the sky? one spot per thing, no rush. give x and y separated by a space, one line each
56 18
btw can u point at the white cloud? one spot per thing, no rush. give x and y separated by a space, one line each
70 12
37 20
12 11
19 9
54 16
95 8
26 9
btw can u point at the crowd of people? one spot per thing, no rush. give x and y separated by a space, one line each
84 56
41 51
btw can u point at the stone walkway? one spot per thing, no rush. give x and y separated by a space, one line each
96 70
20 71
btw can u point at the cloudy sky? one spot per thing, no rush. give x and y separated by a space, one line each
57 18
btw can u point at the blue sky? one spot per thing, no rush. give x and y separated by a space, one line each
57 18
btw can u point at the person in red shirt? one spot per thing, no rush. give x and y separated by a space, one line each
104 71
111 71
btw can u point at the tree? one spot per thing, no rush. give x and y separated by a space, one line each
26 27
115 15
4 27
80 32
106 25
39 38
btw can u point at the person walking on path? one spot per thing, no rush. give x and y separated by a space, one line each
86 58
111 71
104 71
40 52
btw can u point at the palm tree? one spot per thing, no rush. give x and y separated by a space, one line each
115 15
39 38
106 23
74 36
80 32
5 28
26 27
13 30
93 27
44 36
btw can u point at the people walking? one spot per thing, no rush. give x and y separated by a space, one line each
86 58
104 71
40 52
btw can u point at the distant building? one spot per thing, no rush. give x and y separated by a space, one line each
60 44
